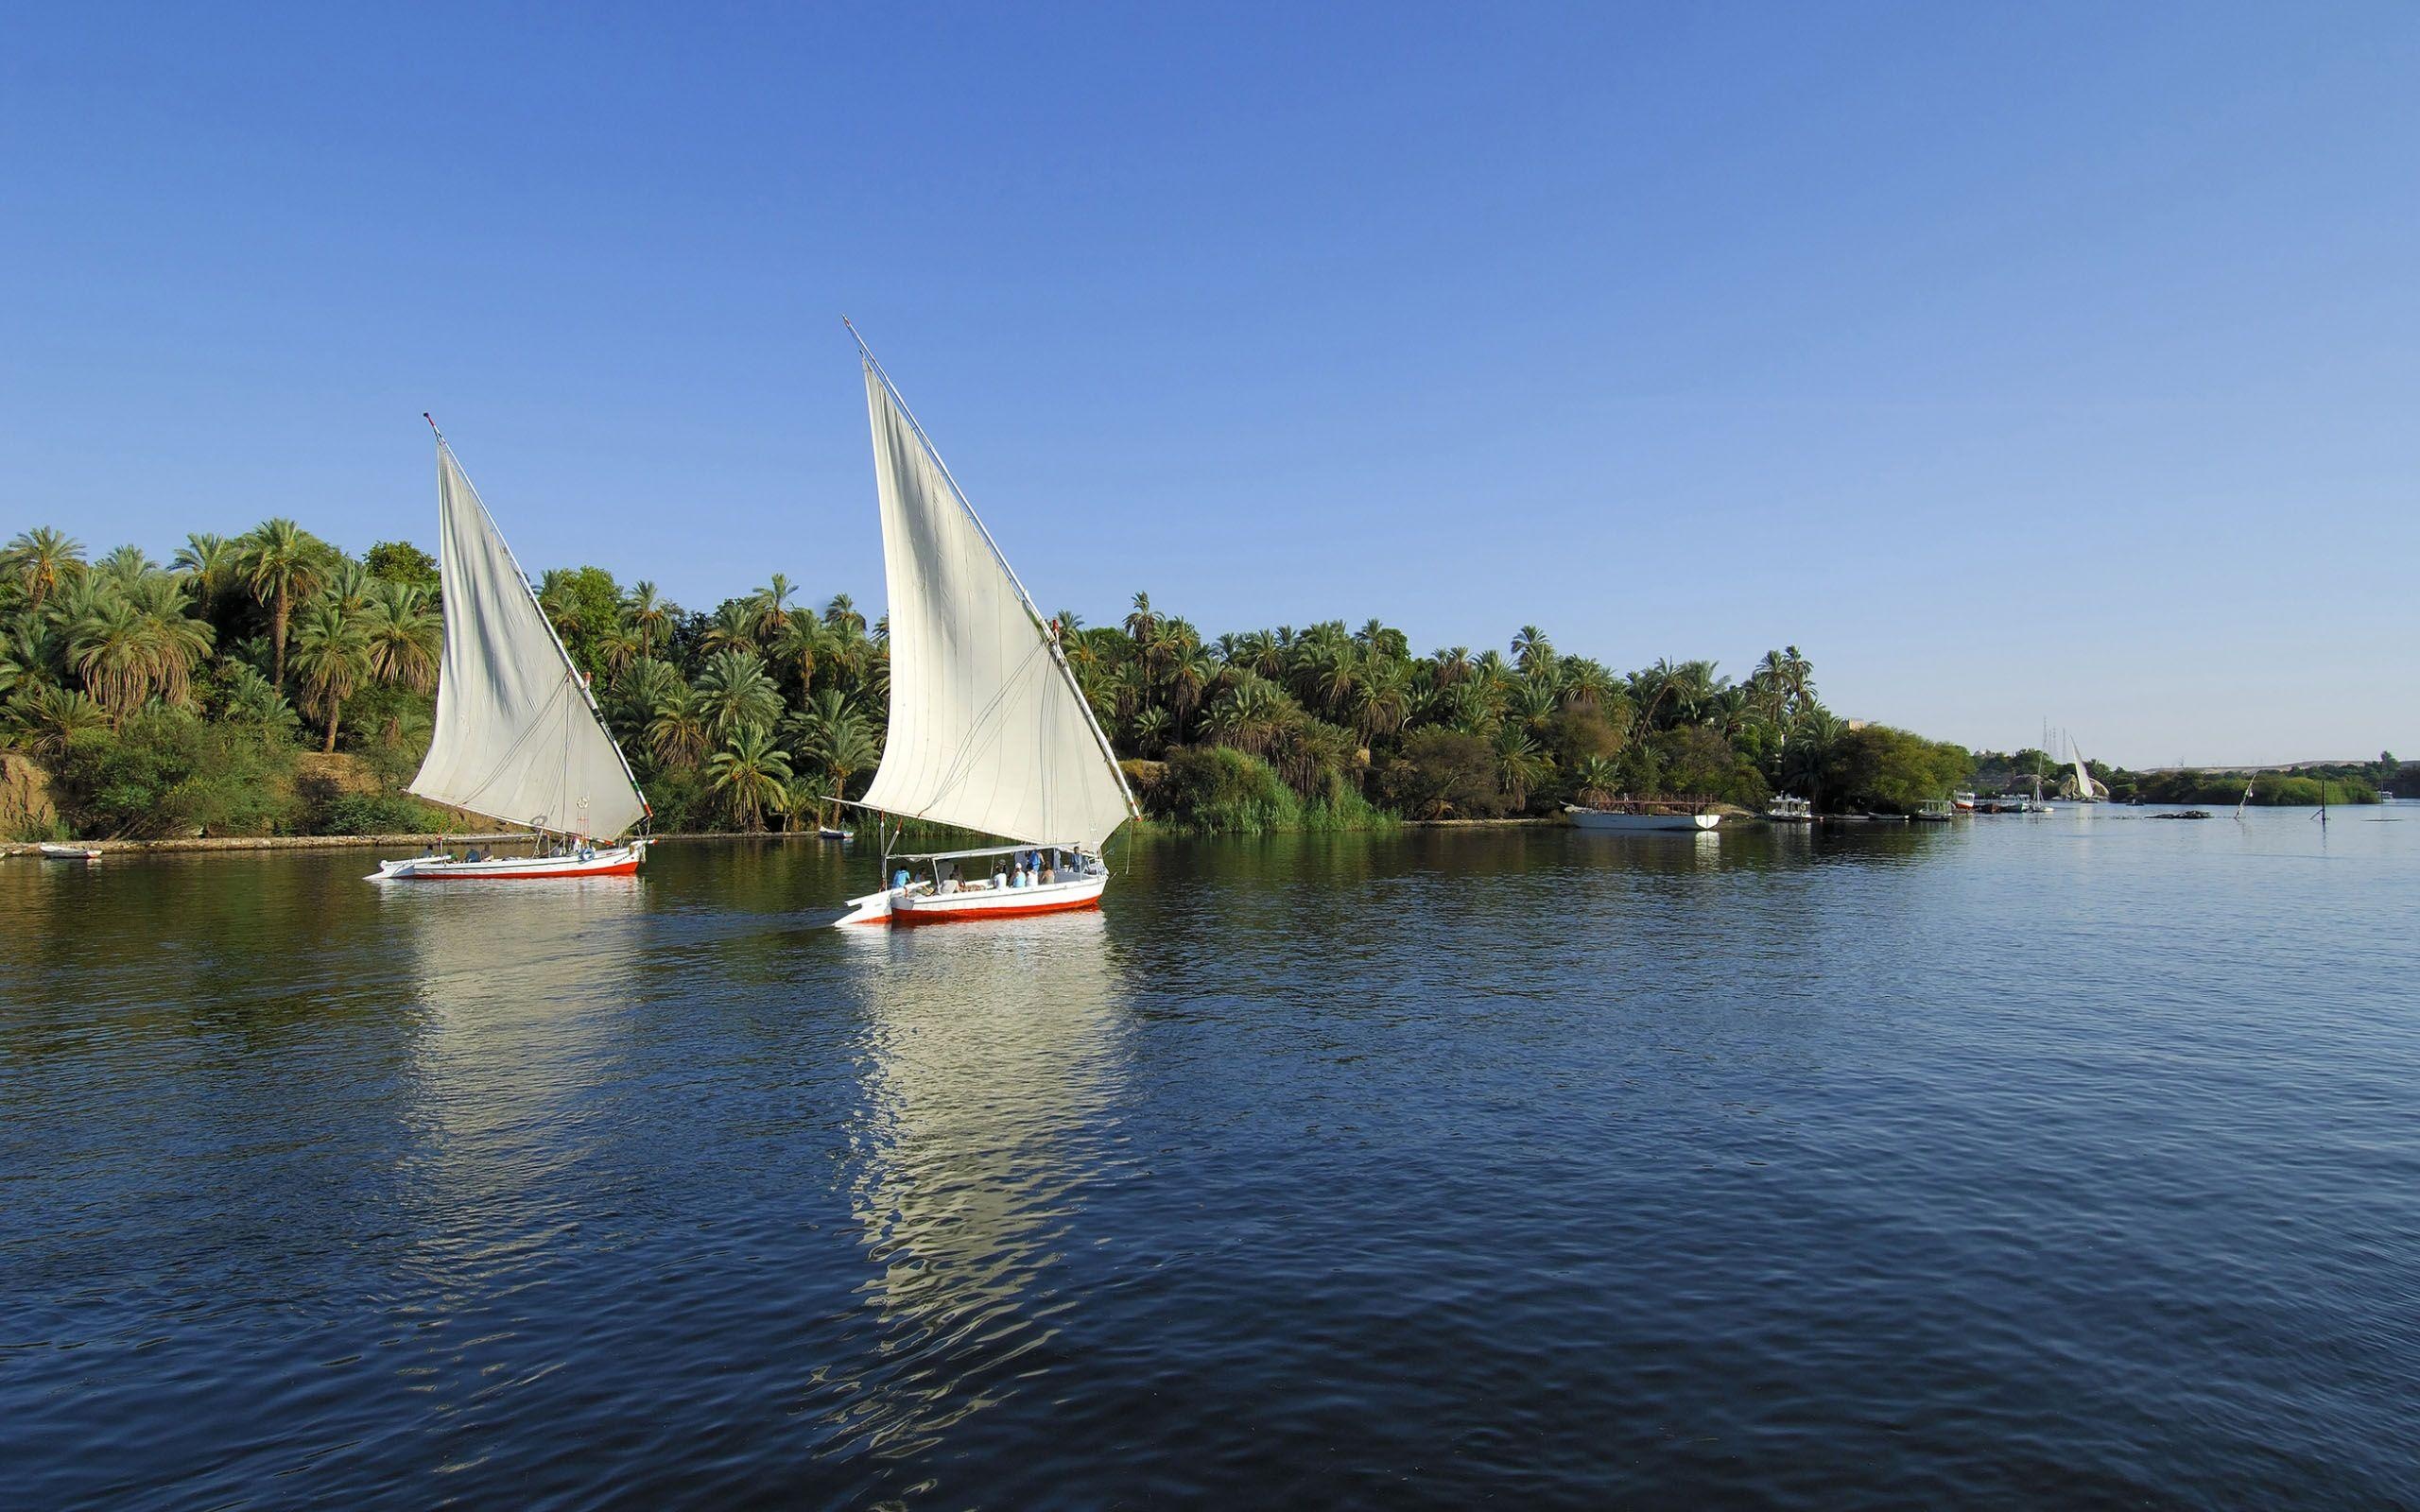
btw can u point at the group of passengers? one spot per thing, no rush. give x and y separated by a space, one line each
547 845
1024 869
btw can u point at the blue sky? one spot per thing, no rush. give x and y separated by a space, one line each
2014 362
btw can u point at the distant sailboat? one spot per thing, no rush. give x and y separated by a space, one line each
989 730
2088 790
519 737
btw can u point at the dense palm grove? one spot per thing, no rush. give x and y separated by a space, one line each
163 698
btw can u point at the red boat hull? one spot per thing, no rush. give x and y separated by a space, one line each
906 916
622 869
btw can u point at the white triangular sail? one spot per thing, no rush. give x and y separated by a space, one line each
2086 788
987 730
518 737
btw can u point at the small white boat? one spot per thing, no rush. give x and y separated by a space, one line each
828 832
584 861
989 730
1789 810
519 737
1962 803
52 850
1641 816
936 893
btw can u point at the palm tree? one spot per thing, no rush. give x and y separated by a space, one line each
1261 652
279 562
332 657
1534 705
1189 677
44 721
1453 663
1595 780
751 773
1130 688
616 649
649 615
1519 765
846 749
125 566
213 563
111 647
403 636
1809 753
680 728
738 691
245 697
178 641
647 683
42 560
1142 625
1150 728
843 610
772 606
1381 700
1325 675
25 659
800 643
847 645
1532 653
733 628
1249 715
1586 685
351 585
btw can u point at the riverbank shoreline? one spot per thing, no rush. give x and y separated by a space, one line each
230 844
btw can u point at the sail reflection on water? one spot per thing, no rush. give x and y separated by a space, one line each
517 1002
994 1058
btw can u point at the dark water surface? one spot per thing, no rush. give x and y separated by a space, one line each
2069 1161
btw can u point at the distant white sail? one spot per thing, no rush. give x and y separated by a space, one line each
987 730
2086 788
518 738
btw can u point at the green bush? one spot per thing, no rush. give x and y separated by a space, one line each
1881 769
374 814
1444 774
165 772
1217 790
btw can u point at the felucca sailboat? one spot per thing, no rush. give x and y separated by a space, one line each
519 737
989 730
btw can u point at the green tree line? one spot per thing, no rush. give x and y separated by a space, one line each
168 698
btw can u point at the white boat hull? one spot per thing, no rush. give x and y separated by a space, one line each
613 861
52 850
907 906
1642 823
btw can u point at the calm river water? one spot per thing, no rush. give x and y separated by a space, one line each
2069 1161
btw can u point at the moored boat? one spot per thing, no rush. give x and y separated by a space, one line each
1962 803
1933 811
53 850
1644 816
519 737
989 730
1787 810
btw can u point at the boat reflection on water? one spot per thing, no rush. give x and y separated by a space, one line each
515 995
994 1054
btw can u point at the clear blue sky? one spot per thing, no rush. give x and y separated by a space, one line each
2013 361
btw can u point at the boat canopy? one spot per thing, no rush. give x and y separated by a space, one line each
519 737
983 850
987 730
